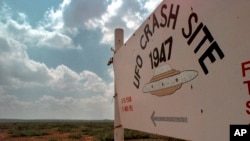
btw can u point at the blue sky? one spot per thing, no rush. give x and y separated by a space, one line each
54 54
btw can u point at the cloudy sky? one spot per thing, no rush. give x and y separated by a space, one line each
54 54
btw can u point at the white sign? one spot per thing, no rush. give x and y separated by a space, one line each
185 72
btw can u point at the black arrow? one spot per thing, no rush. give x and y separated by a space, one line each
168 119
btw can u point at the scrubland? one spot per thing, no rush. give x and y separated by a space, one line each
69 131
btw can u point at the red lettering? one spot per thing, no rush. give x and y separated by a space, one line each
248 85
128 99
126 109
248 106
125 106
245 68
131 108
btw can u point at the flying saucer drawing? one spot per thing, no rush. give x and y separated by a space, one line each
167 80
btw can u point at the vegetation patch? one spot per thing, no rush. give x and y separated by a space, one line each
27 133
75 136
67 127
74 130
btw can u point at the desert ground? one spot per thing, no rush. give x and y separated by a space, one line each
65 130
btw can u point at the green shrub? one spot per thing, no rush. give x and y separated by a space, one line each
27 133
67 127
131 134
105 136
75 136
101 131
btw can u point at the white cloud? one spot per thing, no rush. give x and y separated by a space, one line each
119 14
56 40
60 92
92 82
20 29
65 93
64 79
48 107
111 73
132 20
101 15
79 11
127 14
53 19
150 5
112 9
16 67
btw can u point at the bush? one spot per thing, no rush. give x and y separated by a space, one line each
75 136
104 136
131 134
67 127
27 133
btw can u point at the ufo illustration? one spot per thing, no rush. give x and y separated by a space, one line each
167 80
